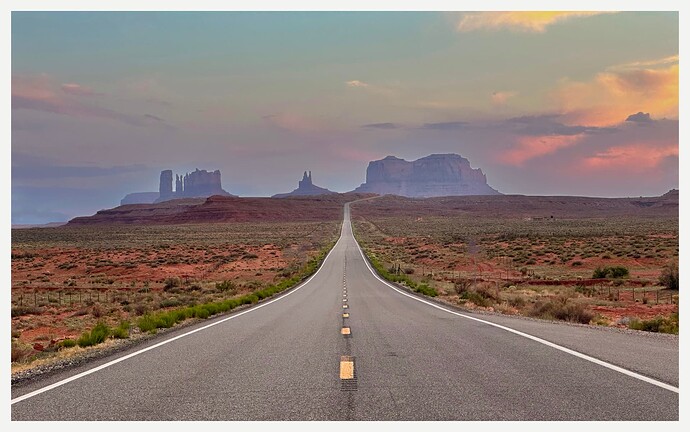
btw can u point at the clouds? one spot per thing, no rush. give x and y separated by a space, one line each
357 83
78 90
530 147
445 126
609 97
40 93
635 157
547 124
378 89
531 22
381 126
646 64
500 98
640 118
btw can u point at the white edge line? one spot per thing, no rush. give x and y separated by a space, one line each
136 353
526 335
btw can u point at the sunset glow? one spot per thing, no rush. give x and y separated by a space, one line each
556 102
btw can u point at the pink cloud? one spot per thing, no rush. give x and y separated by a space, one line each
530 147
39 93
638 157
501 97
611 96
78 90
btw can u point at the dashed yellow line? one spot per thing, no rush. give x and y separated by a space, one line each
347 368
344 306
345 331
346 315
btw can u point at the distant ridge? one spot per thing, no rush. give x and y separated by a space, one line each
222 209
45 225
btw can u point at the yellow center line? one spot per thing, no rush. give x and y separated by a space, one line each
345 331
347 368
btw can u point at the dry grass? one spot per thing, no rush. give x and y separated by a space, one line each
528 266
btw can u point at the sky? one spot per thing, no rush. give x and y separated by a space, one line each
545 103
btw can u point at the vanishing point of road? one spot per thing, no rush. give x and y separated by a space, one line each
346 345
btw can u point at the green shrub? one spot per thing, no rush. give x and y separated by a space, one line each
614 272
97 335
67 343
658 325
147 323
122 331
426 290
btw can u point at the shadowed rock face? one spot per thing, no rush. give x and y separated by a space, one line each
431 176
199 183
305 187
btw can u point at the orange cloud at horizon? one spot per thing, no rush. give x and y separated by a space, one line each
530 147
633 157
530 21
611 97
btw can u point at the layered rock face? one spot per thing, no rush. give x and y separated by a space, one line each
305 187
431 176
200 183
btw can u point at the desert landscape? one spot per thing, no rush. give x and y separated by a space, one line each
610 262
66 280
126 268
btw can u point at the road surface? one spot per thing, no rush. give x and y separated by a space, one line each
347 346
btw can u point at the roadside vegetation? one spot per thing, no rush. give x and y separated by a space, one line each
619 271
77 288
394 274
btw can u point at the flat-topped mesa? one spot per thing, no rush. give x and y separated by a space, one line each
199 183
305 187
430 176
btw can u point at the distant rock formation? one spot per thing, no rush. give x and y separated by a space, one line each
431 176
197 184
140 198
305 187
165 187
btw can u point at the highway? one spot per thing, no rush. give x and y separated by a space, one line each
347 346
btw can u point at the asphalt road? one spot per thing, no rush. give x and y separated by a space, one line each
404 359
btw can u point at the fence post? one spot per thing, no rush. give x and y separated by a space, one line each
35 300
